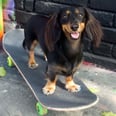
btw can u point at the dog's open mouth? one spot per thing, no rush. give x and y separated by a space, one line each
75 35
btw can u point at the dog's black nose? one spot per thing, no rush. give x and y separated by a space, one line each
74 27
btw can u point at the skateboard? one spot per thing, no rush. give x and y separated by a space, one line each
61 100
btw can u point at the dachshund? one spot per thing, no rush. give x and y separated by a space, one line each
61 38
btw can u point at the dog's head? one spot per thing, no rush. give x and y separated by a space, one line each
73 22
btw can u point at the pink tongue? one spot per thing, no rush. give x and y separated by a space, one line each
75 35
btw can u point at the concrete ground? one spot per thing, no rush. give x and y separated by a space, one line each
16 99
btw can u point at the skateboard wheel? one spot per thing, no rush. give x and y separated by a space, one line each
2 72
10 62
94 90
108 114
41 110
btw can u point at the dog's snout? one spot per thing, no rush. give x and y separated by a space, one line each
74 27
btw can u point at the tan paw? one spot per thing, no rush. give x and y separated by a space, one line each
72 87
33 65
48 90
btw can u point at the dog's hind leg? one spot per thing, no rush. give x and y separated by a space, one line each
31 62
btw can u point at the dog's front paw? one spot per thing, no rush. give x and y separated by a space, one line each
49 88
72 87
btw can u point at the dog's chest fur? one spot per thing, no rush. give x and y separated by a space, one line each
66 57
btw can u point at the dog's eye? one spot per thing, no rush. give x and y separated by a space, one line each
65 16
80 15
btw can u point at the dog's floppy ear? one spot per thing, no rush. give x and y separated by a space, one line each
93 28
52 32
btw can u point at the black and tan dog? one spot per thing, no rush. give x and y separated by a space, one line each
61 38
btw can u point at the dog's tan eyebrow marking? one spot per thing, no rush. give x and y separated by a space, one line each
76 11
67 11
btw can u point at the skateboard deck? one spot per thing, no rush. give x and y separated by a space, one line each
61 100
